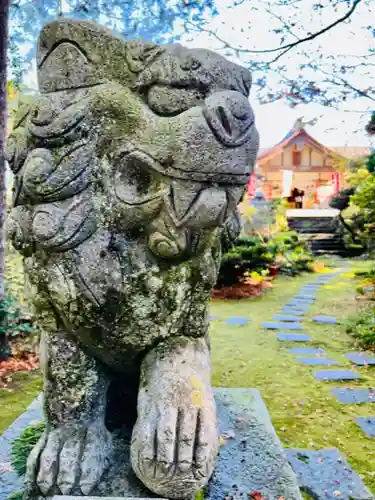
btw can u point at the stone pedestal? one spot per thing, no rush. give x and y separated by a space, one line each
251 457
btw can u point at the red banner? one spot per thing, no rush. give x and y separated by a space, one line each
252 185
336 182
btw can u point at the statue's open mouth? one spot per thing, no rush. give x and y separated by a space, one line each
172 170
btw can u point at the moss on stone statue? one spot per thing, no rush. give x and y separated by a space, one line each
120 107
17 495
200 495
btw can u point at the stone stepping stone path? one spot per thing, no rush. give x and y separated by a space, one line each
361 358
328 320
298 304
302 300
293 337
317 361
294 312
307 298
212 318
274 325
354 396
367 424
325 474
327 375
237 321
285 317
307 351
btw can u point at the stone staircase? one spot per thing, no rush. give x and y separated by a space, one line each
321 229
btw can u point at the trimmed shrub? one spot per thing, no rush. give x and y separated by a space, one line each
341 200
362 328
253 253
11 325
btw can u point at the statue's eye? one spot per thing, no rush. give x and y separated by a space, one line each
190 63
135 179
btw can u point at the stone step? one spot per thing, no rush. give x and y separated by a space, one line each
312 225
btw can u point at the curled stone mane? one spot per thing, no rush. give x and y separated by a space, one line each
128 166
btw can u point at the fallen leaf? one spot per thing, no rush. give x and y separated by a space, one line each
256 495
229 434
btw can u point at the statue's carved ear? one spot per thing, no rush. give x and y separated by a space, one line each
140 54
75 54
66 55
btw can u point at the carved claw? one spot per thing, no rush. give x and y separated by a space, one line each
174 450
67 458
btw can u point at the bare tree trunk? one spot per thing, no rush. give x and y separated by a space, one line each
4 16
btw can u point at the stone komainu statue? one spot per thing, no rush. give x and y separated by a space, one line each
128 169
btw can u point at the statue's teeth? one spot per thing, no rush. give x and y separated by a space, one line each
184 196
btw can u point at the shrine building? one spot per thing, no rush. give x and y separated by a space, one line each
301 163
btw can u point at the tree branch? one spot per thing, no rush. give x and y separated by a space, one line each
284 48
345 83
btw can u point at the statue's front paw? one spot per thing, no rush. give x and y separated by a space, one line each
174 449
69 459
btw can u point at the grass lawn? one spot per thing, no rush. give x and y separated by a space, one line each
23 389
302 409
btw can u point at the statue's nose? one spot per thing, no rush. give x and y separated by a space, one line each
230 117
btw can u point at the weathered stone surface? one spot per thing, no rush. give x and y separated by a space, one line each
317 361
291 310
251 457
302 302
361 358
336 375
325 474
128 171
237 321
306 351
285 317
328 320
293 337
354 396
305 296
275 325
367 424
299 304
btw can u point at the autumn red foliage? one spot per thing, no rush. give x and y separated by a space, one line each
241 290
24 359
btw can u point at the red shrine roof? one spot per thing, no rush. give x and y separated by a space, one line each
290 138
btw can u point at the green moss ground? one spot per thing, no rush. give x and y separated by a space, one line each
14 400
303 411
